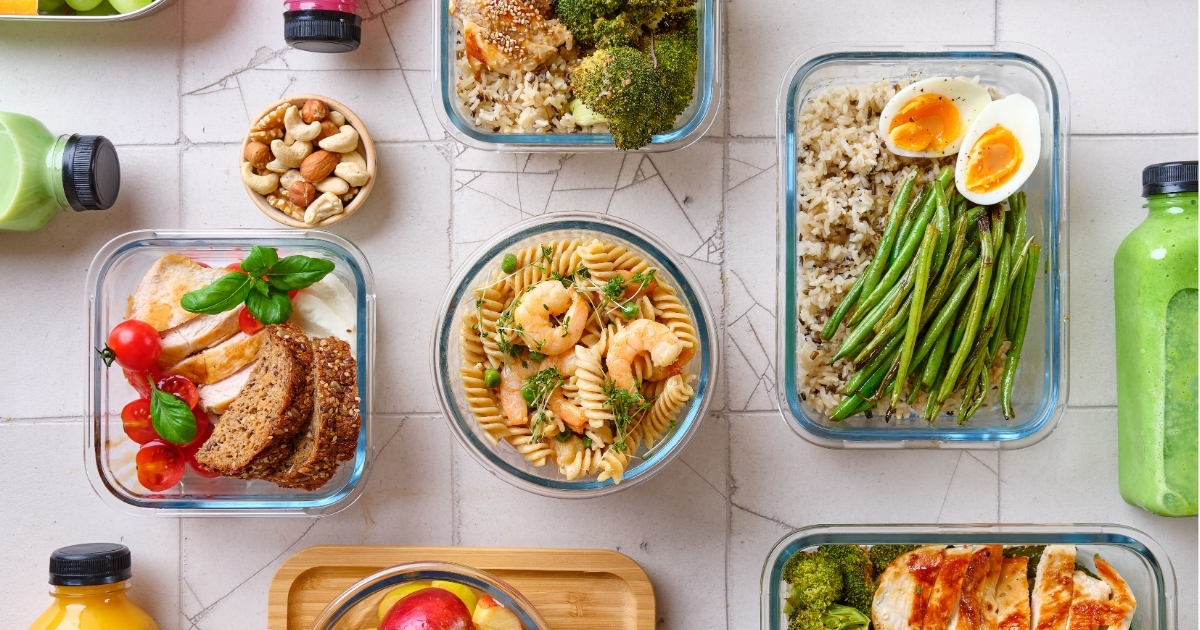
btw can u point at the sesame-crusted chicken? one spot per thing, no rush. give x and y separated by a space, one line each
509 35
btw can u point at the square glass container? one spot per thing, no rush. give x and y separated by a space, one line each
1040 395
150 9
1142 563
690 126
112 278
445 358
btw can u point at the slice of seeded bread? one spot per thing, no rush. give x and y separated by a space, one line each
313 460
255 433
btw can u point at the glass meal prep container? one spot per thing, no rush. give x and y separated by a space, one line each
1140 561
112 278
502 459
357 608
150 9
1040 394
689 127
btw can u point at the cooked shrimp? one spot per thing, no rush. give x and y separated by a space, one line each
642 336
551 299
565 363
635 289
566 411
513 404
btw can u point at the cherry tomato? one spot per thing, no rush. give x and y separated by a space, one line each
201 469
202 263
181 388
236 266
248 323
135 419
140 381
204 430
134 344
159 465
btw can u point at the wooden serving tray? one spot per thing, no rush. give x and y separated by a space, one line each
573 589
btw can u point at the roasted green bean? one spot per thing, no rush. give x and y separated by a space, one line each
1018 340
975 314
920 284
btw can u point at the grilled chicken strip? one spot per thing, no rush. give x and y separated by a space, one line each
217 397
904 589
509 35
943 601
1053 588
991 617
1012 594
197 334
1109 603
969 614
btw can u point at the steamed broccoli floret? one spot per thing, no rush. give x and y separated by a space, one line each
883 555
814 581
614 22
840 617
805 620
585 115
621 84
858 576
675 50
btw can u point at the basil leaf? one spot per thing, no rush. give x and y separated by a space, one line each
298 272
171 417
260 260
275 308
218 297
262 287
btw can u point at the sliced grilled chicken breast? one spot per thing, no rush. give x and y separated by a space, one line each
215 398
1096 604
197 334
904 589
1012 594
220 361
1053 588
991 613
969 613
943 601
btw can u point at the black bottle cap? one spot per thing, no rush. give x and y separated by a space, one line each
322 31
1169 177
91 172
92 564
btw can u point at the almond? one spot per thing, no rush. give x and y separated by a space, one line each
302 193
258 154
319 165
313 110
327 129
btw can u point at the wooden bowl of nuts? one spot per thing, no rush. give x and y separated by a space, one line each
308 161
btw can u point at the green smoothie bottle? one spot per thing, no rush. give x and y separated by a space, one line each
1155 289
41 174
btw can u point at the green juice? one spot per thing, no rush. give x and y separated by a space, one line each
1155 280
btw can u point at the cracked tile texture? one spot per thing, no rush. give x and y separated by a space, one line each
176 91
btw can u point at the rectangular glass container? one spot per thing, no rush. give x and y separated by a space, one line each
1142 563
1040 395
150 9
690 126
112 278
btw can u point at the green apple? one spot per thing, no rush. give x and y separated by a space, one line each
104 8
397 594
464 593
50 6
84 5
128 6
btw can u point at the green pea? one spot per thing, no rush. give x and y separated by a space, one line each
536 357
629 310
491 378
529 393
509 264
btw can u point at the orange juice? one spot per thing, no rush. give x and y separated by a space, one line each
90 584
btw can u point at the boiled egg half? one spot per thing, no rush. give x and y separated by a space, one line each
929 118
1000 150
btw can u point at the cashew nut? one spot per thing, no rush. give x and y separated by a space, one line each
297 129
287 178
325 206
335 185
346 140
290 155
353 169
261 184
336 117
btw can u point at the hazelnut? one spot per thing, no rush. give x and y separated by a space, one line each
319 165
258 154
302 193
313 110
327 129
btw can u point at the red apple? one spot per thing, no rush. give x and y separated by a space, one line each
428 609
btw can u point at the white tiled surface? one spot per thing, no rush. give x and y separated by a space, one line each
176 91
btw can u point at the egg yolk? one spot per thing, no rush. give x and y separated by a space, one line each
993 160
928 122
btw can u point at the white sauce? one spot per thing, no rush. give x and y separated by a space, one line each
326 309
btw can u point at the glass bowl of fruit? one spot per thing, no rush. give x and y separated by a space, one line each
431 595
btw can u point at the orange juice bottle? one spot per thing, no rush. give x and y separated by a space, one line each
90 582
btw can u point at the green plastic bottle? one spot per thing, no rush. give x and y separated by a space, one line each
1154 284
41 174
